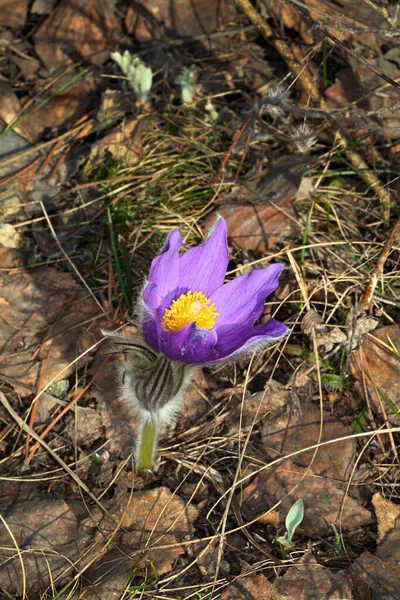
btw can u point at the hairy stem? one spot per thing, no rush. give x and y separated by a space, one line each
146 443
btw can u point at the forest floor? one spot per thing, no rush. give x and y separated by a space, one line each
287 125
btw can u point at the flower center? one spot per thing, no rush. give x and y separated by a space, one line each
189 307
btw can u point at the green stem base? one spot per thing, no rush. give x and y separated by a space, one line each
146 446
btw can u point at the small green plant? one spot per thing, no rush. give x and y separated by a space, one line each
293 520
325 48
337 549
210 108
143 586
332 382
361 419
124 268
188 80
140 77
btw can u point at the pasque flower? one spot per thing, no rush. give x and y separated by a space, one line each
188 314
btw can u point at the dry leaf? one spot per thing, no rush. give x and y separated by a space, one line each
114 106
382 571
376 366
307 580
85 426
124 143
151 526
259 228
76 31
39 305
259 213
293 431
323 13
264 404
63 110
49 537
328 337
9 237
387 514
149 22
13 13
252 586
9 103
43 7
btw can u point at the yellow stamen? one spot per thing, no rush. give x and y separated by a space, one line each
189 307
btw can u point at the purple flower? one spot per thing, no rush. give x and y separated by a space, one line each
187 313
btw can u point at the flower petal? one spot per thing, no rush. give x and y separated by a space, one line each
189 344
241 301
203 268
248 340
164 270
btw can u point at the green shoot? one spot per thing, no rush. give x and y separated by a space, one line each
125 289
293 520
143 586
140 77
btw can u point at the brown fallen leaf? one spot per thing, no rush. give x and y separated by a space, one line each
376 366
112 580
382 571
9 237
43 7
295 430
63 110
10 109
260 213
353 85
328 337
114 106
252 586
26 63
8 258
387 514
80 30
151 526
149 22
39 305
124 143
49 538
260 228
10 206
307 580
340 20
87 428
278 183
9 103
263 404
13 13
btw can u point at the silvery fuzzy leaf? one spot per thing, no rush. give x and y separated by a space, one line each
187 80
293 520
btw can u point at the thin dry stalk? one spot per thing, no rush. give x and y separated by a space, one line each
392 240
383 11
